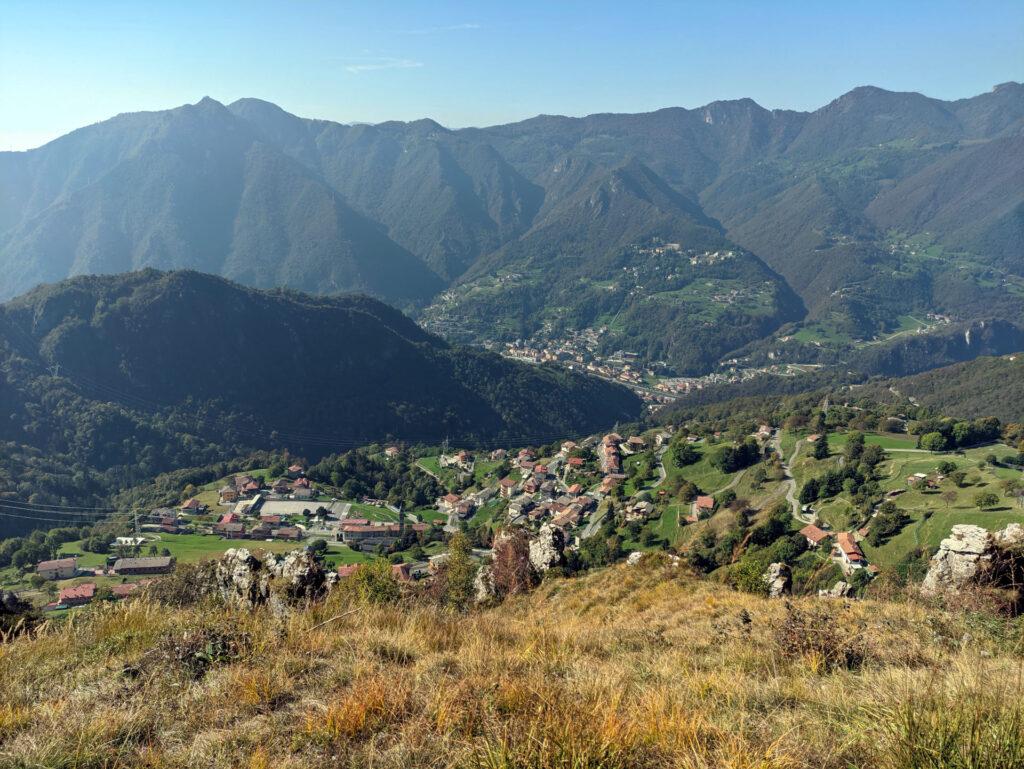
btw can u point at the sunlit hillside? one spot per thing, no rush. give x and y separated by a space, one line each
631 666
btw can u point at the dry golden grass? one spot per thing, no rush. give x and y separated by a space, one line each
629 667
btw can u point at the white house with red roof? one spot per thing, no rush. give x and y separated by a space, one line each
848 552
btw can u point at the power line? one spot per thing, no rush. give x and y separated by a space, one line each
63 521
38 506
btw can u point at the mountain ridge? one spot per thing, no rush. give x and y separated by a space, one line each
408 210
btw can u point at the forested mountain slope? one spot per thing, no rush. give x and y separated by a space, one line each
192 188
876 210
122 377
986 386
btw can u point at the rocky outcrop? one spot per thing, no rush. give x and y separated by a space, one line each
972 555
961 557
658 558
520 561
547 548
1012 535
279 581
839 590
779 578
483 585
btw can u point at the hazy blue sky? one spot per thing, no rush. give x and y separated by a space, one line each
66 64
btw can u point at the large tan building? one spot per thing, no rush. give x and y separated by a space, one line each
62 568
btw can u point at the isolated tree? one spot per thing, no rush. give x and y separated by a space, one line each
459 572
854 446
820 450
684 454
986 500
809 493
949 497
758 476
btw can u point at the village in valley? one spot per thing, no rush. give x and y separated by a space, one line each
852 502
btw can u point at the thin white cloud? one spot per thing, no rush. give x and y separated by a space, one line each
373 63
445 28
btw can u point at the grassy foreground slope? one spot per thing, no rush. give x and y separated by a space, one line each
628 667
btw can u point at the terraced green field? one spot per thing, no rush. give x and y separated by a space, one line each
702 473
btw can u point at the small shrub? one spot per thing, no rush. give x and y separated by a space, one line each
194 652
748 576
813 635
188 585
374 583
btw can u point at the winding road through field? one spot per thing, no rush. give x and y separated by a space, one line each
790 481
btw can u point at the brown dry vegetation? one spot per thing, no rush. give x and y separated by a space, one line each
628 667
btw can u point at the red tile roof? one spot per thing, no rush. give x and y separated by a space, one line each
123 591
347 569
814 534
83 592
845 541
402 572
704 502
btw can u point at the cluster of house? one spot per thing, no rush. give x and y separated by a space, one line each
266 526
538 494
245 487
845 550
78 595
578 352
610 453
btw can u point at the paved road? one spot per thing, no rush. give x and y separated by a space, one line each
660 456
731 484
790 481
